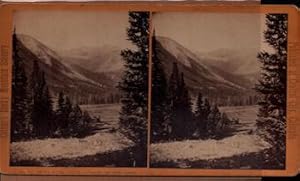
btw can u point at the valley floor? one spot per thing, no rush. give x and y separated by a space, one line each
242 149
68 148
106 147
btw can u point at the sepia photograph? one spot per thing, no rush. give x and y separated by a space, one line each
79 89
218 90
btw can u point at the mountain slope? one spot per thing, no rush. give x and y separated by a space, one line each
59 75
96 59
198 75
109 79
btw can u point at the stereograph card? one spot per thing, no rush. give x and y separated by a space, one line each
152 89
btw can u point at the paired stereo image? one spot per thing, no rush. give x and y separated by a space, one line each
106 89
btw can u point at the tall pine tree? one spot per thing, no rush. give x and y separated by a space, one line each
206 112
76 121
213 120
41 112
159 107
199 105
185 110
134 85
60 115
67 110
20 110
173 101
200 114
272 86
36 86
47 110
181 117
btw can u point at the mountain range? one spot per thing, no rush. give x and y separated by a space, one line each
230 60
61 76
200 73
97 59
92 71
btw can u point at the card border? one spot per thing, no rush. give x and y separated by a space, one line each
6 11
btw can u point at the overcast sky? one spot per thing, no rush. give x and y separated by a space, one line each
200 32
62 30
203 32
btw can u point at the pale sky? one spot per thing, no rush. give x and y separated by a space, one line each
200 32
61 30
203 32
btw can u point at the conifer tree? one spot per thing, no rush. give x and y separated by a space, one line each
200 114
66 126
20 112
206 108
36 97
134 84
181 116
76 121
199 105
174 101
185 110
60 113
86 119
272 86
41 112
174 82
159 98
68 105
68 117
206 112
61 102
213 120
47 110
224 121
